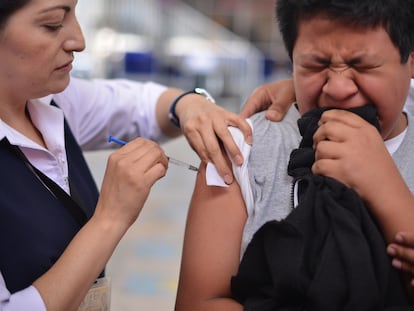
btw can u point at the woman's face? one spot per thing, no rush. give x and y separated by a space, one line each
36 49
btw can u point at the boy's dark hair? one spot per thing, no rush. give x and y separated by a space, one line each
396 16
8 7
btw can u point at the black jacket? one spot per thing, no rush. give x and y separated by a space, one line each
328 254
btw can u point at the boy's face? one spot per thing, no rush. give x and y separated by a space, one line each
342 66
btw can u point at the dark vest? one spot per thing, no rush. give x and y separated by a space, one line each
35 228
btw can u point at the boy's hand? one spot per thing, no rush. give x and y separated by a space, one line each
351 150
402 251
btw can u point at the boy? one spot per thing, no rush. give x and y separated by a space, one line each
345 54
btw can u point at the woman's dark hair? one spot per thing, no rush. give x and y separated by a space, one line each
8 7
396 16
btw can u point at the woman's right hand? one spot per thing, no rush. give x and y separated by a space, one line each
130 173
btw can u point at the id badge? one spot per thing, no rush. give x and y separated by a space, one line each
98 297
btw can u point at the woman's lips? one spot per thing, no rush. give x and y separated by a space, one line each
67 67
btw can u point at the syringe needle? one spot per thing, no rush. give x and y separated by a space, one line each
170 160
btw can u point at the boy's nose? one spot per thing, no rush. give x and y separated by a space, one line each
339 86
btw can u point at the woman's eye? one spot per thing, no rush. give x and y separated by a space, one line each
53 27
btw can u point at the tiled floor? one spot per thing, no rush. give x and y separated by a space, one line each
145 267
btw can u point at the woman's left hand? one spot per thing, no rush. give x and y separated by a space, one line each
206 126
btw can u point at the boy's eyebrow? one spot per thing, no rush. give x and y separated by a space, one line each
314 57
357 58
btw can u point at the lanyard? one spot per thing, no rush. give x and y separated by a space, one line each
66 200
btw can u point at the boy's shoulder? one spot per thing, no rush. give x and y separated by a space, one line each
285 128
274 140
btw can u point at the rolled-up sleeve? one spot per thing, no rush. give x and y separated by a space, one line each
98 108
26 299
241 173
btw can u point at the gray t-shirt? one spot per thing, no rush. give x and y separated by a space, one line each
271 186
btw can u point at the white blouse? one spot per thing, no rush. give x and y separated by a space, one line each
94 110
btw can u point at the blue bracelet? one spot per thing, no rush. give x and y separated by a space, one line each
173 116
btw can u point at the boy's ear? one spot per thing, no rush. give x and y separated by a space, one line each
411 60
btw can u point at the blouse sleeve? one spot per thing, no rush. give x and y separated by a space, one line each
26 299
98 108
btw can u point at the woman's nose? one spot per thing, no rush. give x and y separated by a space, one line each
75 41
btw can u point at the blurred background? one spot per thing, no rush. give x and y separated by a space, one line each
228 47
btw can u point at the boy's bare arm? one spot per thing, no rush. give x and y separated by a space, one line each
211 247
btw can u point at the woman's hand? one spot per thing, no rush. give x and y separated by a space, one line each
131 172
205 125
